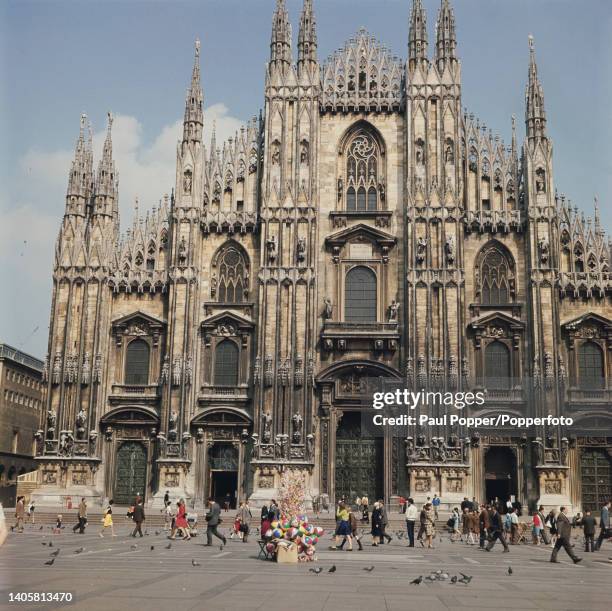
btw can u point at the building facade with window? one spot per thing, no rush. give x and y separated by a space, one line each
364 227
21 406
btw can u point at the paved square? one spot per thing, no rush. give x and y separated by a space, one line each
109 574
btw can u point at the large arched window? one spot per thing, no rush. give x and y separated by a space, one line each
137 362
232 269
591 366
497 366
360 295
494 275
226 363
364 173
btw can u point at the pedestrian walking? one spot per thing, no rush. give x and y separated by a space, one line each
564 533
430 525
139 517
588 528
365 509
82 516
244 517
377 530
107 520
227 502
213 519
169 517
436 504
31 508
167 498
453 523
483 525
551 524
465 525
384 523
411 517
343 528
496 530
537 527
19 514
604 525
422 520
514 526
181 521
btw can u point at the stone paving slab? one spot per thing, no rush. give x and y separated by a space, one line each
110 575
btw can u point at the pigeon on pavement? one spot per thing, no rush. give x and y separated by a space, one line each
316 571
50 562
417 581
510 571
195 563
454 579
152 547
55 554
332 569
169 545
133 547
78 551
369 569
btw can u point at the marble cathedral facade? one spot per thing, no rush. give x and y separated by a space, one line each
364 226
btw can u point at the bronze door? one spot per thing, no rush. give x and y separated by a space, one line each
359 469
131 476
596 476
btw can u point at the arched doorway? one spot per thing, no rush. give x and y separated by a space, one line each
596 478
131 473
500 473
359 461
224 474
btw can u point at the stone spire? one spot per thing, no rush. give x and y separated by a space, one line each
417 37
280 43
106 177
307 40
194 113
535 115
446 38
81 172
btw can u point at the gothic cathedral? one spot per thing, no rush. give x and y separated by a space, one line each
364 226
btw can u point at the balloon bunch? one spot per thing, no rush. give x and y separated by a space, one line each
296 530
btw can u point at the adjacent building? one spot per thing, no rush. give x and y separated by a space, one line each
21 407
363 226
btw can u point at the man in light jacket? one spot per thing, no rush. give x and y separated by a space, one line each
82 518
213 517
412 513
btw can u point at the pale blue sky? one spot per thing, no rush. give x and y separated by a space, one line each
60 58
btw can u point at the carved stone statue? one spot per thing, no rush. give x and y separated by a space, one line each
420 154
297 421
176 371
340 188
57 368
328 308
51 421
301 249
421 249
393 311
81 419
540 181
165 371
304 152
172 426
187 179
276 152
86 369
538 448
544 249
449 155
182 250
66 444
449 249
266 435
271 249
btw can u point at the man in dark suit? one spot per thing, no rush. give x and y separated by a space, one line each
213 518
138 516
588 528
604 524
496 530
564 530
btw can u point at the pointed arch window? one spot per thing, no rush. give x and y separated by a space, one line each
137 362
232 269
591 367
494 277
226 363
498 373
360 295
364 176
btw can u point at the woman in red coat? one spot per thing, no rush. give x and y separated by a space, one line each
181 522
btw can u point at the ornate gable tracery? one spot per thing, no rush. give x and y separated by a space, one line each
362 76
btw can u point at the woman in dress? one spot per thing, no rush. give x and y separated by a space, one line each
107 520
344 526
365 510
430 525
377 527
181 521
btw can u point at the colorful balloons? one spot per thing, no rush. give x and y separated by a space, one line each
298 531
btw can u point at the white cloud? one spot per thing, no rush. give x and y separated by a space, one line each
32 211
